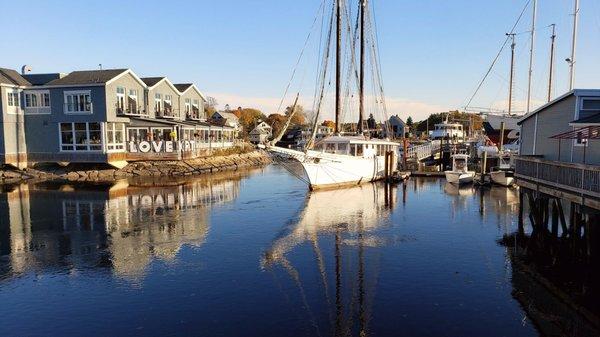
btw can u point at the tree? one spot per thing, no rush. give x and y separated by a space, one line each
299 118
329 124
248 118
409 121
210 106
276 121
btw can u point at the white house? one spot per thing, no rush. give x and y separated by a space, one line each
261 133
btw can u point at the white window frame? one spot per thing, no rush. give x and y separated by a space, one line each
40 107
157 102
111 144
15 97
74 144
136 129
133 94
77 93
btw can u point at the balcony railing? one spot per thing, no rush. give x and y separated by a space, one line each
130 110
166 112
580 178
193 114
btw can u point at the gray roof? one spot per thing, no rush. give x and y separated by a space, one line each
88 77
43 79
12 77
151 81
183 86
593 119
228 115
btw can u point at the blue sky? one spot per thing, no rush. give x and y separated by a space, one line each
433 52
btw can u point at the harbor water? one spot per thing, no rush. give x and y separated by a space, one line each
254 253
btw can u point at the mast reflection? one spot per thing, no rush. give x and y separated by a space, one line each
340 227
121 227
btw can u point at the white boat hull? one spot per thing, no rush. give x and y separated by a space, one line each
459 178
502 178
325 170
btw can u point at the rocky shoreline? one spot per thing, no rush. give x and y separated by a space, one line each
101 172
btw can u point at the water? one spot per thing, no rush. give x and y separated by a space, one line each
253 253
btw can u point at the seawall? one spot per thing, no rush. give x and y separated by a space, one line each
101 172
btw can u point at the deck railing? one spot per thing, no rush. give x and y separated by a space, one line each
580 178
420 152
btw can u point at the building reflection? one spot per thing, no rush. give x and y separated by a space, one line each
121 227
339 227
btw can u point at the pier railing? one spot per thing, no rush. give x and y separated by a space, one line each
420 152
580 178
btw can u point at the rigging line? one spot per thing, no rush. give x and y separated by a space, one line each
498 55
320 101
320 60
300 56
377 60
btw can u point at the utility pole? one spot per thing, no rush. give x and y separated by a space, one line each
571 60
551 72
338 66
531 48
512 71
361 107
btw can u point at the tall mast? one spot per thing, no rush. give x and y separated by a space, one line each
361 107
571 60
512 72
531 55
338 66
551 72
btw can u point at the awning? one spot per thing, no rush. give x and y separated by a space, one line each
587 132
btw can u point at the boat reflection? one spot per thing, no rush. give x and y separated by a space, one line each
340 227
121 227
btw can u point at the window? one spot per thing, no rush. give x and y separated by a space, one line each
187 106
120 99
115 136
589 107
45 99
31 100
159 134
78 102
168 106
132 102
157 102
13 99
80 137
138 134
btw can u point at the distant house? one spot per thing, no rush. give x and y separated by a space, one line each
261 133
226 118
397 126
571 112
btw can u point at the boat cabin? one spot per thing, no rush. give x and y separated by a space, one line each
448 130
358 147
460 163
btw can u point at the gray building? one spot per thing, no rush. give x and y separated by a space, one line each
574 110
110 116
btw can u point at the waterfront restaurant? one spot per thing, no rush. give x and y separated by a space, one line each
103 116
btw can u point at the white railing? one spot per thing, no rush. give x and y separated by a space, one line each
420 152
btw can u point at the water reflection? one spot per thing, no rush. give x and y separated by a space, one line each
119 227
338 226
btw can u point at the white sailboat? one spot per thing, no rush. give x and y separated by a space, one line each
343 160
460 173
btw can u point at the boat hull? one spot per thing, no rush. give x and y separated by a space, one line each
503 178
459 178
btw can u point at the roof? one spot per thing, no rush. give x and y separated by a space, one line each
43 79
183 87
12 77
576 92
152 81
587 132
594 119
227 115
88 77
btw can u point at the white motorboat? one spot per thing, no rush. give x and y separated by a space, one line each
460 173
453 131
504 173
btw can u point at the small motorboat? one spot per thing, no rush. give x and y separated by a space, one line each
460 173
504 173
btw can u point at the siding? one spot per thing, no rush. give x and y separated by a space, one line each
551 121
129 82
192 94
592 155
164 89
12 130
